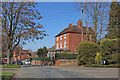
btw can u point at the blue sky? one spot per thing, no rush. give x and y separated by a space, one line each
56 17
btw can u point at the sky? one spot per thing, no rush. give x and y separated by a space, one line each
56 17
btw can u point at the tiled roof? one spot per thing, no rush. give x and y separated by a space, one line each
75 29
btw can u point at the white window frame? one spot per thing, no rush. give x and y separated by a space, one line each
65 44
57 38
61 37
61 45
57 45
65 36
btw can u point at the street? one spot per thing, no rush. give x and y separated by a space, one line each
61 72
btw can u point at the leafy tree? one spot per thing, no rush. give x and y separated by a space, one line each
18 24
45 51
40 52
114 21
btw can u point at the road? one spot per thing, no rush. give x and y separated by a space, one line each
65 72
48 72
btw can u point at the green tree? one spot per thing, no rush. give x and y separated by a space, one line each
18 25
45 51
114 21
40 52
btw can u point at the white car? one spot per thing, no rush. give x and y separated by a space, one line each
27 62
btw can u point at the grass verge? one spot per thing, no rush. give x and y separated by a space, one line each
7 75
10 66
8 69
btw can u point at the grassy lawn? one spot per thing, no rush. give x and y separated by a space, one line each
8 69
10 66
7 75
104 66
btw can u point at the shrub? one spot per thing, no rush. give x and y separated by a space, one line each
109 50
109 46
65 56
98 57
86 52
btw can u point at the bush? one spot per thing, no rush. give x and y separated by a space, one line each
10 66
109 46
65 56
109 50
86 52
98 57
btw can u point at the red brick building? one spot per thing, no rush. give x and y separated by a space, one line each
19 54
71 37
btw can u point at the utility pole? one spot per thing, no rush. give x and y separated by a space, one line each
82 22
86 22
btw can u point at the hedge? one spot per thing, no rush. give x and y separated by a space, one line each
109 50
65 56
102 66
87 52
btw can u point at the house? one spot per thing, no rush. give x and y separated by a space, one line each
71 37
20 54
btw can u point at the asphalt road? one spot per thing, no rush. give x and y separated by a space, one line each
65 72
48 72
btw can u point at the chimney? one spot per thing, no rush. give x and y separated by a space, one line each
69 25
79 23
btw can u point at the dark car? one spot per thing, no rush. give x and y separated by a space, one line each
19 63
13 62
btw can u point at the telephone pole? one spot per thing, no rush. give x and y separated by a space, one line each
82 22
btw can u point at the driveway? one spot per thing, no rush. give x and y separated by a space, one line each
65 72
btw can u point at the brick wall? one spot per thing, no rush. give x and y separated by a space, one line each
65 62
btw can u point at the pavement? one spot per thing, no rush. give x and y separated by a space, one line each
65 72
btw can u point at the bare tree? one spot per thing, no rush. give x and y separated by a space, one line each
96 16
19 23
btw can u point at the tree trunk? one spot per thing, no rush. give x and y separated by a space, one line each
8 57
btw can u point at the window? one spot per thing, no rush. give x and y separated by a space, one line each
61 37
65 44
57 45
65 36
57 38
61 45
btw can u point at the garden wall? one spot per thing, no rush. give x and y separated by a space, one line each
65 62
42 63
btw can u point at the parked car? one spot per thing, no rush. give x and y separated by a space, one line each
14 62
27 62
19 63
4 60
